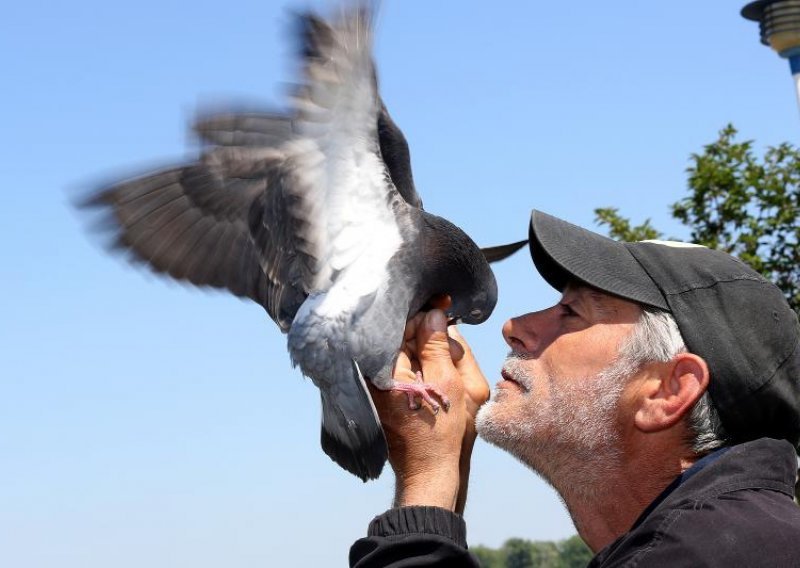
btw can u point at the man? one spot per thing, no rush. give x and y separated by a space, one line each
660 397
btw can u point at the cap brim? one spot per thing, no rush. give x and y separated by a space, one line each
563 252
755 10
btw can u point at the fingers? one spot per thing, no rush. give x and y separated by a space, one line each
432 340
410 342
406 367
456 349
435 356
466 361
440 302
475 385
441 353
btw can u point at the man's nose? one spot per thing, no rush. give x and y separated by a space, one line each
527 333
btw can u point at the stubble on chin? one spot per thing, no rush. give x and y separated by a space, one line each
568 437
505 420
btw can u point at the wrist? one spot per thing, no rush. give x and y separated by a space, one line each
436 488
463 472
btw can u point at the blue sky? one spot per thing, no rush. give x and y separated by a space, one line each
143 423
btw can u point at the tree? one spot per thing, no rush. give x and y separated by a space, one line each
574 553
489 557
738 203
521 553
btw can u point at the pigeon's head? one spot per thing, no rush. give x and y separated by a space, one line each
474 306
454 266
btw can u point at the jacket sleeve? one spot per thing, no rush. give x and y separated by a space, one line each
414 536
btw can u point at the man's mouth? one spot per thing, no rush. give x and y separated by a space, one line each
509 378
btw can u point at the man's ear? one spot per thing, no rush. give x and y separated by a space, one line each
671 392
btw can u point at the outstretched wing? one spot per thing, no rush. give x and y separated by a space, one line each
244 128
343 198
192 223
278 205
269 128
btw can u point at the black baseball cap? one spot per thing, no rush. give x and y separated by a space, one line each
727 313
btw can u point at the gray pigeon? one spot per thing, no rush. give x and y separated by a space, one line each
314 215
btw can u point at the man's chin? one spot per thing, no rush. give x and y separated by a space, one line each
491 424
484 418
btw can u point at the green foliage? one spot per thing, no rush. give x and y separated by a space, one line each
489 557
575 553
620 228
520 553
746 206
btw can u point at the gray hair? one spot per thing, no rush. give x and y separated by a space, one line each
656 337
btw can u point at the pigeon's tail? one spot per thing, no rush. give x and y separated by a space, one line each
351 431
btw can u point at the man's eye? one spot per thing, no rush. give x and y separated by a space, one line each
567 311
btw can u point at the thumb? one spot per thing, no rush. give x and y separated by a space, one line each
475 384
432 340
433 350
466 364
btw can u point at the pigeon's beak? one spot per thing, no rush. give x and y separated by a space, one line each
453 320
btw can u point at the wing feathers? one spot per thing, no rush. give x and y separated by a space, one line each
501 252
192 223
246 129
279 205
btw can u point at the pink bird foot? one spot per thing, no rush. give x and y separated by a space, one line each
424 391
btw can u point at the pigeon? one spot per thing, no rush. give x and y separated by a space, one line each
313 214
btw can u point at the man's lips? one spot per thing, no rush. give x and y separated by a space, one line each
508 378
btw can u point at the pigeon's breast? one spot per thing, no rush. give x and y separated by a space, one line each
337 324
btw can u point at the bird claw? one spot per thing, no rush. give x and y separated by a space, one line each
422 390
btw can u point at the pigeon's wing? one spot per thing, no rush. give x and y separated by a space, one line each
501 252
341 196
394 149
244 128
269 129
191 222
279 204
344 210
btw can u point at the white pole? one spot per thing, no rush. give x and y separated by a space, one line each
794 63
796 77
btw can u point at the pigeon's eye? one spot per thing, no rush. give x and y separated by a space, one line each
476 313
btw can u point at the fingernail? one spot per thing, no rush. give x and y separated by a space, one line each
437 320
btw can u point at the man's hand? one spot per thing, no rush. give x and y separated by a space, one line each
429 452
476 393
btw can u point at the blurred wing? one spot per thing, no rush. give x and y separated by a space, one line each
271 129
244 129
192 223
342 196
280 206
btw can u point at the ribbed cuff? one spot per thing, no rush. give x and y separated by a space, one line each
420 520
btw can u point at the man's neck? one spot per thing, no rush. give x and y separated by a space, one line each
604 508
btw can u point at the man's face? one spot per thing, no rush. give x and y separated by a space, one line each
557 405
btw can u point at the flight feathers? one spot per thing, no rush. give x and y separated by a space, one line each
351 434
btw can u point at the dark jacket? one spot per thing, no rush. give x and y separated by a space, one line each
736 510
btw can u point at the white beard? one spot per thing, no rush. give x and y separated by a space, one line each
570 439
